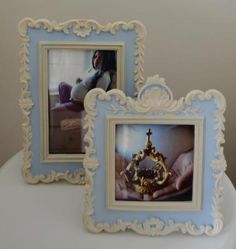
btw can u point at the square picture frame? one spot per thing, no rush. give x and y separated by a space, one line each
126 123
44 44
131 150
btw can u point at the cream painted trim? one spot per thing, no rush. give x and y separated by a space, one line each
80 28
194 205
44 47
159 99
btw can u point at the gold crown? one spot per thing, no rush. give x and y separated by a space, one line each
146 180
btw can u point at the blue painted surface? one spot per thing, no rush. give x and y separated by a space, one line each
40 35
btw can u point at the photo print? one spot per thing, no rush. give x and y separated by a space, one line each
154 162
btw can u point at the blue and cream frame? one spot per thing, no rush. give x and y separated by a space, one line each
155 102
35 32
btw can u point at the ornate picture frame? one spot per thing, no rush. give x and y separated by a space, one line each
37 38
113 205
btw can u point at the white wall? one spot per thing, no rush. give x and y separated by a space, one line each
190 43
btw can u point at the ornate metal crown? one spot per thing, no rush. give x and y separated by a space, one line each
146 180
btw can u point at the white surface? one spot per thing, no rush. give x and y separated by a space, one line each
50 217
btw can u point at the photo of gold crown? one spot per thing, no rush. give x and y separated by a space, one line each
146 180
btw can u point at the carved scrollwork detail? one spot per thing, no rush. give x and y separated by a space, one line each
81 28
84 28
145 103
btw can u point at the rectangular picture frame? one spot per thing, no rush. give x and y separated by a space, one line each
111 207
39 166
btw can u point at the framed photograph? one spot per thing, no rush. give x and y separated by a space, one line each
63 92
60 64
159 170
145 157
